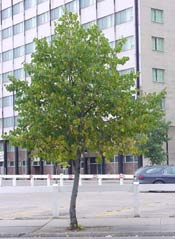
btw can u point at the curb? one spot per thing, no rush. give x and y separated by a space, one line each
106 234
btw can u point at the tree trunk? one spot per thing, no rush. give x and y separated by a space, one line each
72 210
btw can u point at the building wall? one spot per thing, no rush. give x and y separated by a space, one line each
150 58
94 11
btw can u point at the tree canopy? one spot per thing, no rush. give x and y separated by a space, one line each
77 100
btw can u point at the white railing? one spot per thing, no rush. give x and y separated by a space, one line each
62 177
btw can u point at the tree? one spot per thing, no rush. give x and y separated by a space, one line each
77 100
153 148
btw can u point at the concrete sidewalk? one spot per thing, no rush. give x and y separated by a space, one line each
93 227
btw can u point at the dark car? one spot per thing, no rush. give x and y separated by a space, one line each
155 174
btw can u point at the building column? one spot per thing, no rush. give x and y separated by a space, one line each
16 161
41 166
85 165
28 163
140 161
120 163
70 168
103 165
5 157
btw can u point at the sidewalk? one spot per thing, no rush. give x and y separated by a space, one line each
101 227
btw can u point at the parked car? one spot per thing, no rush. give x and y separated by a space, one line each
155 174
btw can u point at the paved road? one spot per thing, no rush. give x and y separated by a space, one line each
95 201
106 211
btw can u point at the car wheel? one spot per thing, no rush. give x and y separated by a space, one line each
158 182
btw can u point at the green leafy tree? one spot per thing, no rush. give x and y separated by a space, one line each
77 101
153 148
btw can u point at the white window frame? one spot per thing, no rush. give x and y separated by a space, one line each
43 18
18 51
6 13
129 44
157 44
106 22
86 3
30 23
157 15
18 28
158 75
124 16
56 13
7 101
17 8
7 32
7 55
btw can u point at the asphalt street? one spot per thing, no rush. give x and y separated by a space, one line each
105 211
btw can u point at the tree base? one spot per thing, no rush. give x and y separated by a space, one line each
76 227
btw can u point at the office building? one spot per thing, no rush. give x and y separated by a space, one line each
148 28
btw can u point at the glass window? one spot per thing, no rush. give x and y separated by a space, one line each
7 33
131 158
7 101
124 16
16 120
11 163
126 71
157 15
158 75
43 18
129 44
153 170
71 6
29 48
18 28
19 73
105 22
30 23
169 171
8 122
48 39
86 3
10 148
1 145
41 1
23 163
29 3
112 44
7 55
6 13
18 51
17 8
158 44
5 76
56 13
163 103
89 24
116 158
